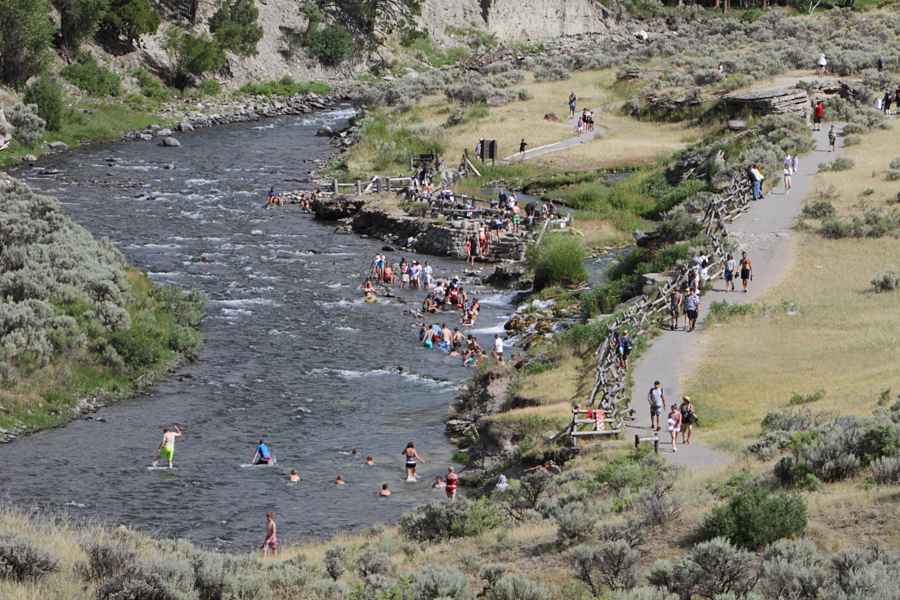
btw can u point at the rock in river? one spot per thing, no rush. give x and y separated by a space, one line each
170 142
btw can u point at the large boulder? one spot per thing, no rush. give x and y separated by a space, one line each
170 142
336 208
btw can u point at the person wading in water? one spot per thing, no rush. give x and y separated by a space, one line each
412 458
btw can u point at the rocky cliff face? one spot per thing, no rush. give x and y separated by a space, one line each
515 20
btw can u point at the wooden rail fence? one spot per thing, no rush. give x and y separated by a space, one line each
609 392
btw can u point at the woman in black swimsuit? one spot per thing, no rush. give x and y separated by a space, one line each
411 457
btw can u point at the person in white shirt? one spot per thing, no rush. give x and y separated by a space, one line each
498 348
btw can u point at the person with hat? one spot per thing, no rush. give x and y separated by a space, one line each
688 418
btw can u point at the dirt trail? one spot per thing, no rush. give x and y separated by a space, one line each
560 145
765 233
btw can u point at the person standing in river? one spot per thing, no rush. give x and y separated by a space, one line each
411 458
167 445
452 483
271 541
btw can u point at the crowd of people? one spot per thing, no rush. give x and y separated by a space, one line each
302 199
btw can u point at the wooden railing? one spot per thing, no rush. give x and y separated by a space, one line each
609 391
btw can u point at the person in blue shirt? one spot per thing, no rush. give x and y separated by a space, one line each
263 455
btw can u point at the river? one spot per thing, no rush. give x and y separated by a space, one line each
291 352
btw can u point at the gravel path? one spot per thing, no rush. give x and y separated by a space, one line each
765 233
560 145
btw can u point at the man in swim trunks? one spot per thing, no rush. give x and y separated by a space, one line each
167 445
263 455
746 271
271 541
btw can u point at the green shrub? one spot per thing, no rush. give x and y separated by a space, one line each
79 20
151 87
91 77
335 559
756 518
797 398
128 20
29 126
285 87
331 45
47 95
443 521
22 562
838 164
818 209
559 260
26 33
192 56
235 26
210 87
723 311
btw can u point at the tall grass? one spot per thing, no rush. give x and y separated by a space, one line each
559 259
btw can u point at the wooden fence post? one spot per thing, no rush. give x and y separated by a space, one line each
335 184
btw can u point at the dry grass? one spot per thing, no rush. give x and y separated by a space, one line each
844 339
625 141
554 386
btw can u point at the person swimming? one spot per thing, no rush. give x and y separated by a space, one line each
339 480
263 455
294 476
370 461
369 290
385 491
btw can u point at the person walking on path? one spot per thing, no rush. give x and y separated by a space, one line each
818 114
795 166
271 541
673 424
688 418
746 272
676 299
788 171
822 65
657 400
692 308
167 445
832 139
624 349
573 104
730 266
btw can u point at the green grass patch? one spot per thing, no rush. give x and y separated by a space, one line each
722 312
286 87
558 260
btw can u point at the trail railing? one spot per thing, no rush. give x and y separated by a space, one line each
609 392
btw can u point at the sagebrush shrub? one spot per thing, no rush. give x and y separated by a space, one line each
709 569
335 558
433 583
886 470
818 209
612 564
443 521
107 560
30 127
792 569
20 561
516 587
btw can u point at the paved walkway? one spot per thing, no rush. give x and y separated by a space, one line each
765 233
560 145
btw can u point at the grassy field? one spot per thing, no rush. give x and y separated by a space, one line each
843 339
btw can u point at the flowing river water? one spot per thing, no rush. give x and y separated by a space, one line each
291 354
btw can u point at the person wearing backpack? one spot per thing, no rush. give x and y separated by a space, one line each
657 400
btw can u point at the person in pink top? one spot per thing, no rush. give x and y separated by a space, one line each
673 424
452 483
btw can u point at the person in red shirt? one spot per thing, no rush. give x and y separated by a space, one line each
452 483
818 115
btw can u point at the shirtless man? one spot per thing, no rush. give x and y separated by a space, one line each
271 541
167 445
